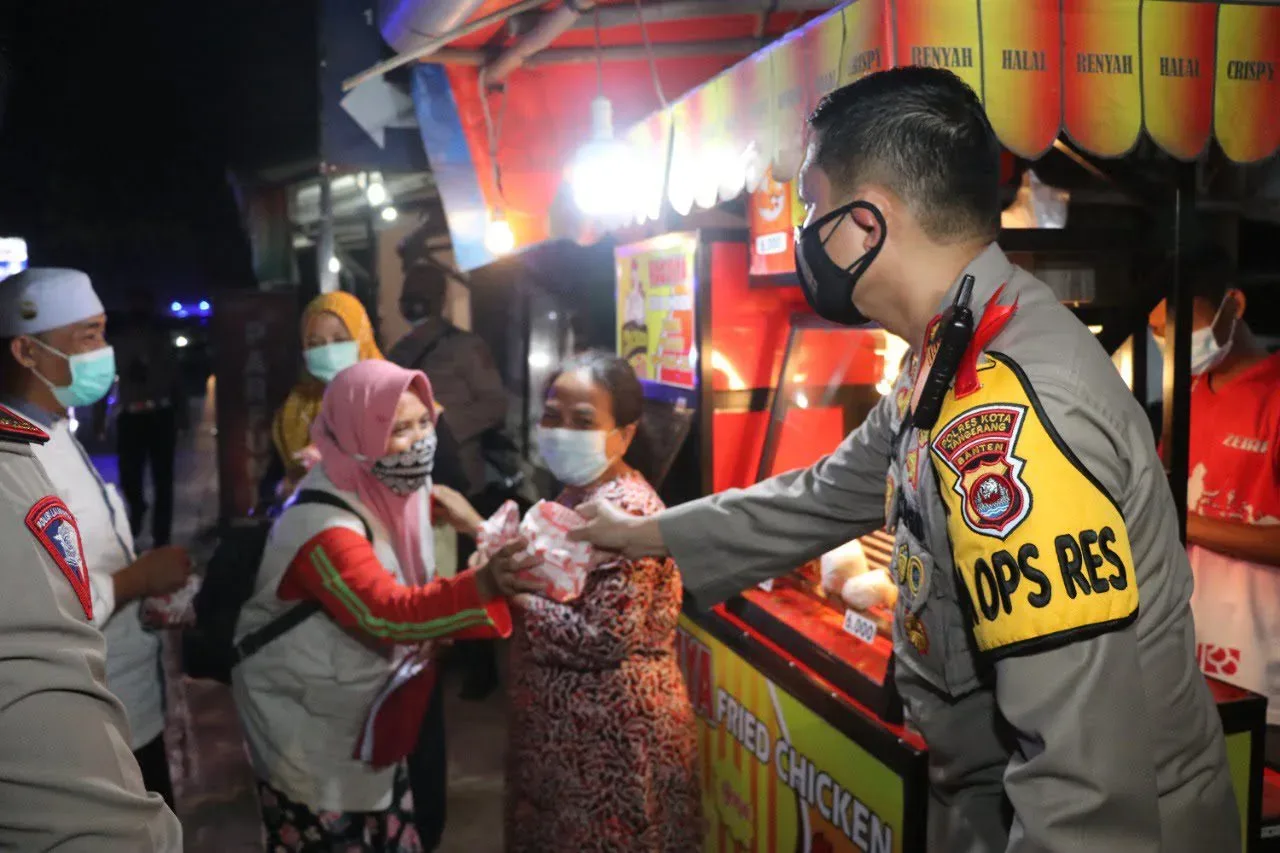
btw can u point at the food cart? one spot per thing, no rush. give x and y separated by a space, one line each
801 733
794 690
802 741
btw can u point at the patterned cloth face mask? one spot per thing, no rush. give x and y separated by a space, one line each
407 472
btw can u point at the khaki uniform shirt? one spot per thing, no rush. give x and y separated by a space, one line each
68 779
1043 636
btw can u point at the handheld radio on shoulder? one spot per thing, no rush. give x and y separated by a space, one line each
953 335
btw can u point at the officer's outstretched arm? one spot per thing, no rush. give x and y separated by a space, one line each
1031 480
727 542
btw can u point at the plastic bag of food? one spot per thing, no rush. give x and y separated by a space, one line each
174 610
562 565
496 531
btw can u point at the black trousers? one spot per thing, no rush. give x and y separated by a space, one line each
153 761
142 438
429 773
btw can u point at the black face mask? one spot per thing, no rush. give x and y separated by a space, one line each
827 286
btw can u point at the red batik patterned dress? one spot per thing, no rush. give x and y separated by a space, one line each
602 753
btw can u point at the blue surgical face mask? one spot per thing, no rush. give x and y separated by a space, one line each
327 361
92 375
575 457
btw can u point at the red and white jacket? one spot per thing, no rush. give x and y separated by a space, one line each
304 697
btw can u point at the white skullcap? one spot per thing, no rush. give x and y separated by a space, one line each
41 299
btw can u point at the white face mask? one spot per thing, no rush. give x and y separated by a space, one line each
575 457
1206 352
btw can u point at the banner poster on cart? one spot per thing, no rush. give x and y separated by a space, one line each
255 337
656 328
776 778
774 214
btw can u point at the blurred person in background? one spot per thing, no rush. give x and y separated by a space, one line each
1233 489
56 358
595 681
364 556
469 388
153 410
336 333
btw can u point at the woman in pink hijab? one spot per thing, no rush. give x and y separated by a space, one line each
332 705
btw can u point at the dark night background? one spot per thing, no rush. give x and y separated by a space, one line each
125 119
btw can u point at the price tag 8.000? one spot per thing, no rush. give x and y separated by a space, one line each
860 626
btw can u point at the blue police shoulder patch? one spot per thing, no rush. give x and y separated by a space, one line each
55 528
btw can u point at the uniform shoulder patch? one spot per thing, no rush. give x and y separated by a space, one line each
55 528
1041 548
15 428
978 448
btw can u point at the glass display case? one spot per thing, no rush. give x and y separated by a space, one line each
830 379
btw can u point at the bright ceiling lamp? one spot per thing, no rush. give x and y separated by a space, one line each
376 193
499 239
604 172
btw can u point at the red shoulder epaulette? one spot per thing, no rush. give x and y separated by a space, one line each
14 427
994 318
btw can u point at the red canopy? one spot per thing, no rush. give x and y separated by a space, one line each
1101 71
542 116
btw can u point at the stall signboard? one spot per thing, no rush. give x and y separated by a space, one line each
1102 71
775 776
774 213
255 337
1240 762
657 334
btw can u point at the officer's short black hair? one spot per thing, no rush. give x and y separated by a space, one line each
922 133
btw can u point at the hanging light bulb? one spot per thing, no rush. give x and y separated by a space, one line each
389 214
376 193
604 173
499 239
335 265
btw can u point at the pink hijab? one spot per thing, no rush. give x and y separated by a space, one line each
351 434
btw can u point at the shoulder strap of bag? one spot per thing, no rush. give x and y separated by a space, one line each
428 347
299 613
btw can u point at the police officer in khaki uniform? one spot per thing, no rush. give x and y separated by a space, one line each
68 780
1043 636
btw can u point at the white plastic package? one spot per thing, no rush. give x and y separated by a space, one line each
841 564
174 610
845 573
869 589
562 566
